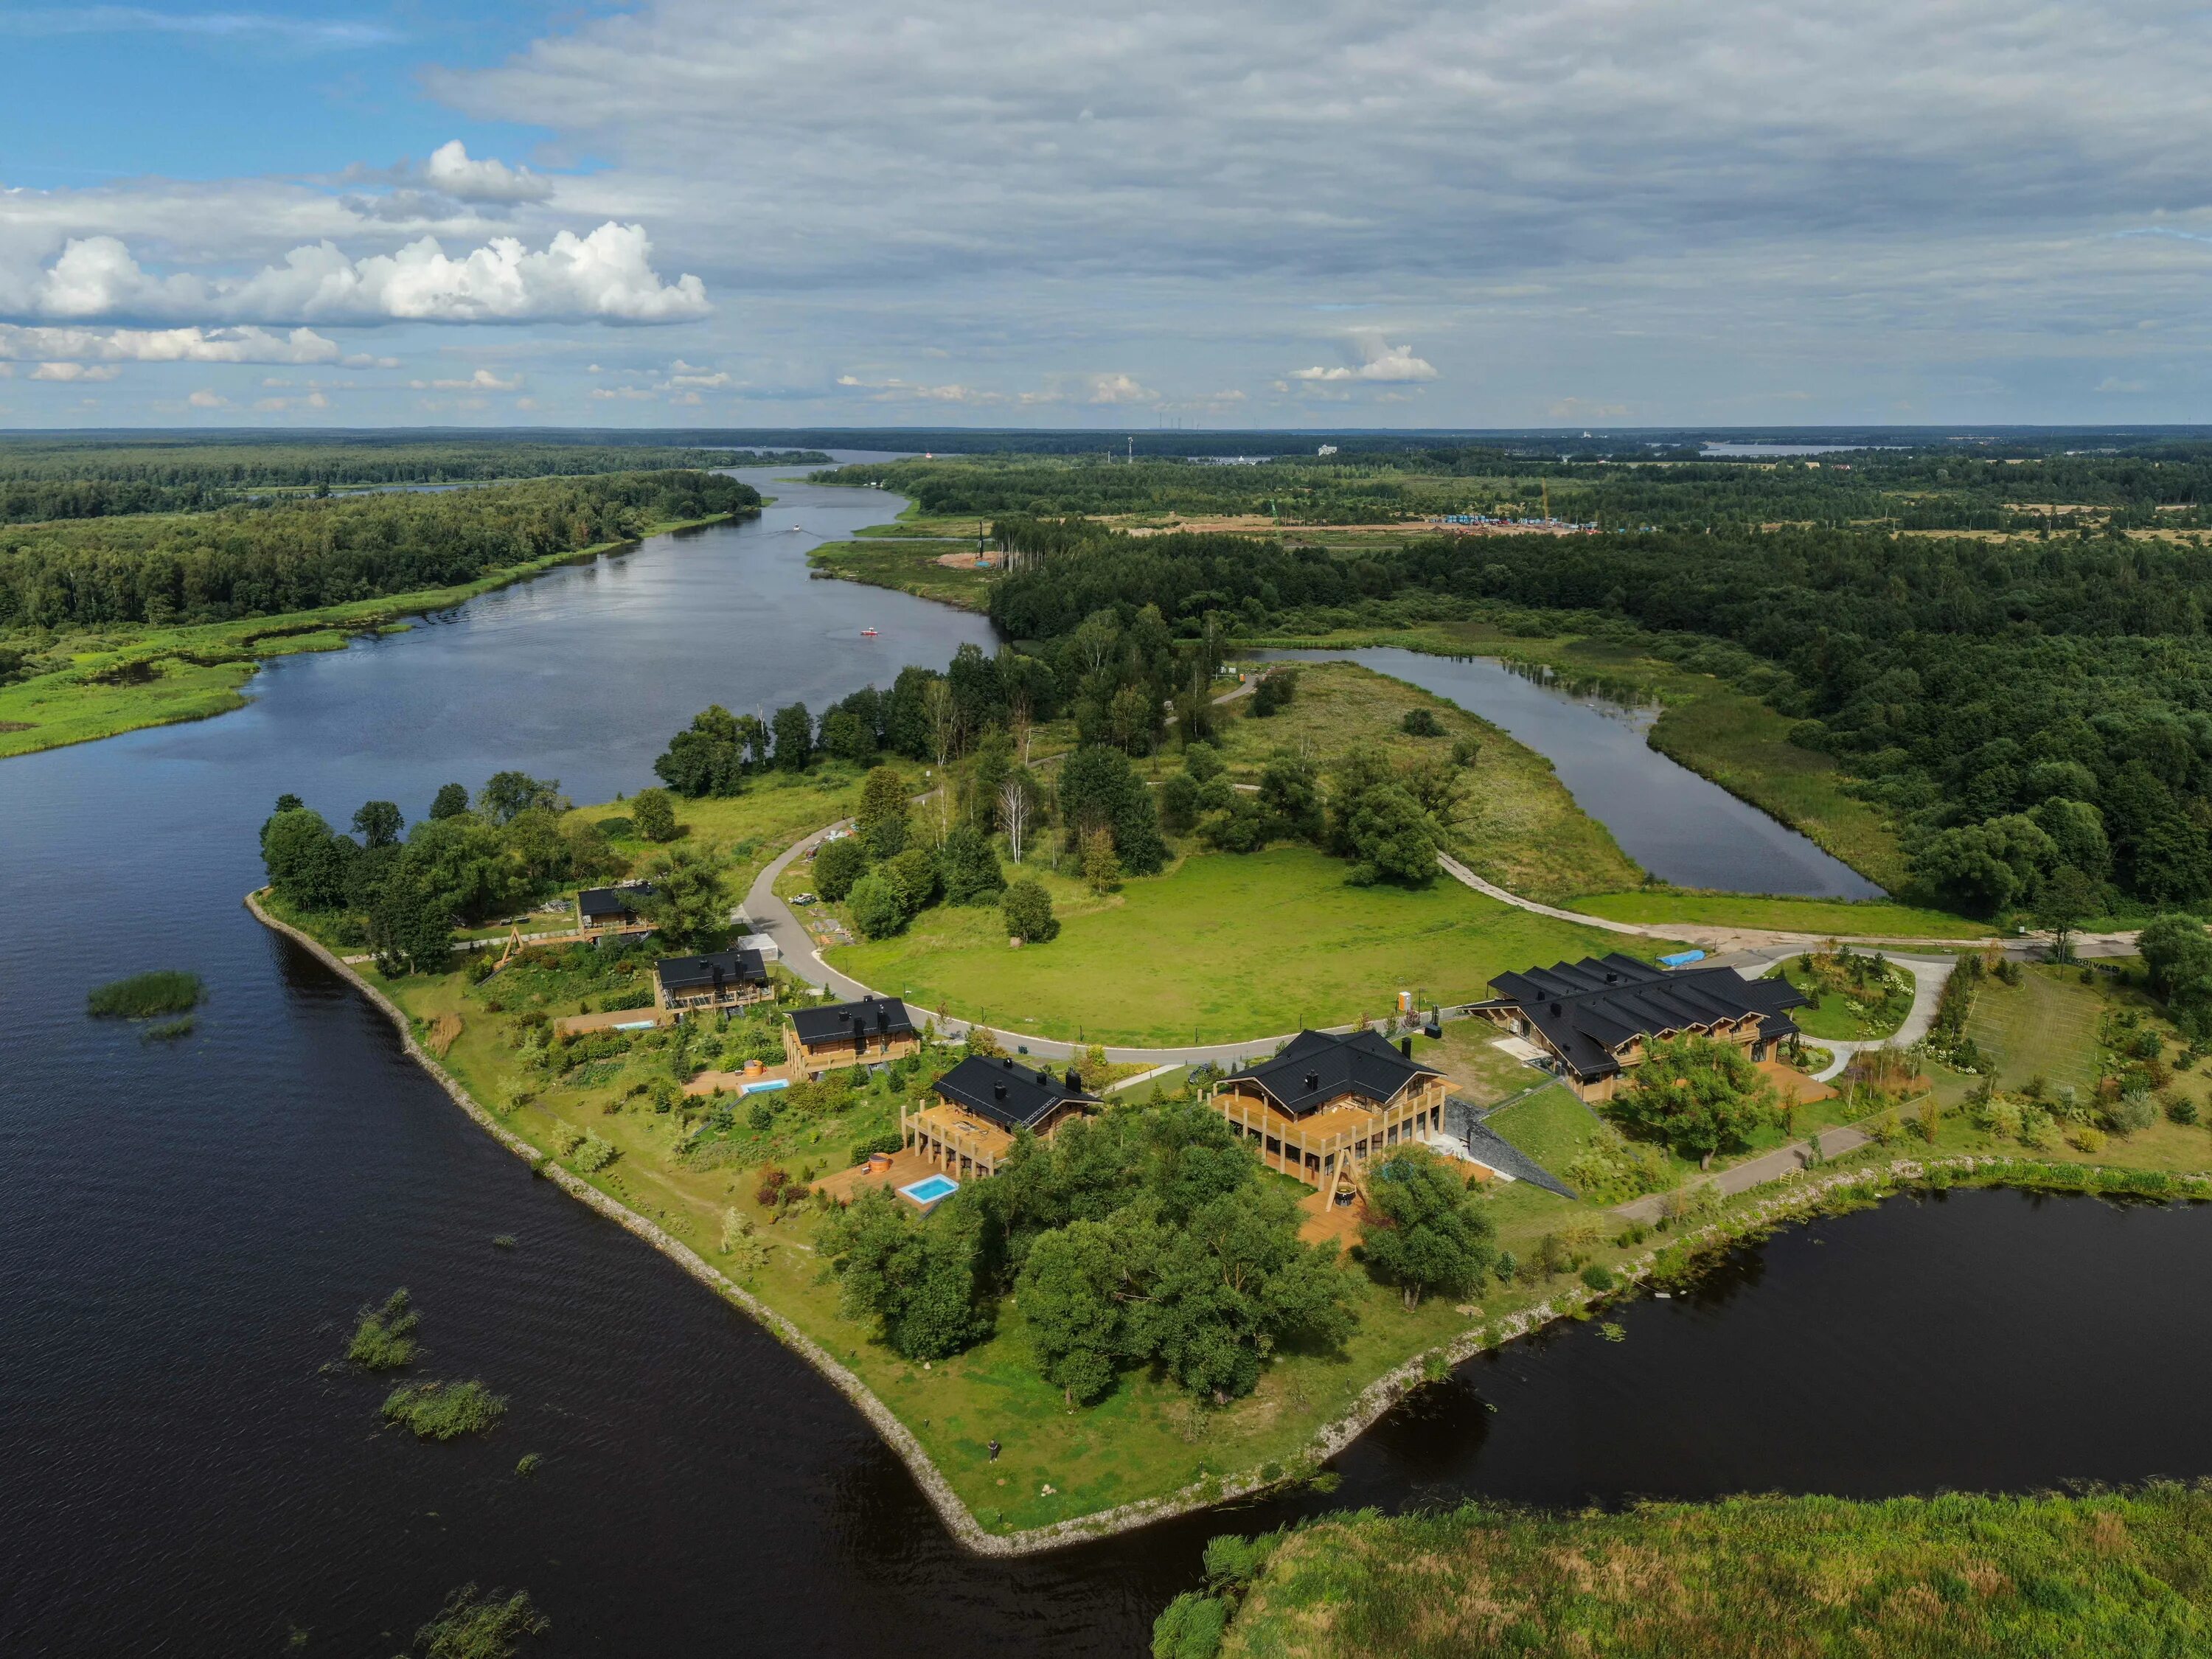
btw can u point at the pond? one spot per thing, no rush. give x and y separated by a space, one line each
186 1229
1680 826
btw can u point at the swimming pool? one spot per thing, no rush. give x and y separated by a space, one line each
929 1189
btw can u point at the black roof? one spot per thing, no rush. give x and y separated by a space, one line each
1011 1094
880 1017
723 968
612 900
1587 1009
1314 1068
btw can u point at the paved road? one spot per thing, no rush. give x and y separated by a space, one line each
1769 1166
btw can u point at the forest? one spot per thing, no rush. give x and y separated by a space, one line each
297 554
46 479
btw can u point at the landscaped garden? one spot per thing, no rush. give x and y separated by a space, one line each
1849 995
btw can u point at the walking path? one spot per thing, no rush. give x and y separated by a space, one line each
1768 1166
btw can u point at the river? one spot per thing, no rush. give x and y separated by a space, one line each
1678 826
186 1231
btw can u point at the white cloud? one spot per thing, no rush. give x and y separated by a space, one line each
75 371
167 345
451 170
606 276
1378 362
708 382
313 34
1120 389
483 380
205 399
313 400
629 393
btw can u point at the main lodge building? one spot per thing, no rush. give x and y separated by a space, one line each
1593 1018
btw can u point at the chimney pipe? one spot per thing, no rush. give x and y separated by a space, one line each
998 1091
1406 1047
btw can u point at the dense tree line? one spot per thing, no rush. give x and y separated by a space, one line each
46 479
297 554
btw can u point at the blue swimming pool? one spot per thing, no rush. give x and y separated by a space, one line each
930 1188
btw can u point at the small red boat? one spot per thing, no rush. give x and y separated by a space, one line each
867 633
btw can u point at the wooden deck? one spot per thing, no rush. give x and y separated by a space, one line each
1326 1223
1787 1079
732 1082
906 1168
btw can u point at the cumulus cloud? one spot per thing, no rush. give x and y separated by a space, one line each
75 371
450 169
165 345
1378 362
300 33
606 276
204 399
1120 389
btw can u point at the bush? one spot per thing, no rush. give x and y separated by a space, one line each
1599 1277
891 1140
2129 1113
2181 1109
143 996
1027 909
1274 691
1421 723
653 811
838 865
592 1154
878 909
1202 760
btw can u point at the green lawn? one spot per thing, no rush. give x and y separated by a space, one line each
1823 918
1553 1128
1224 947
1846 1016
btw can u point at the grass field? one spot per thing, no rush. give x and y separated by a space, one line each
1946 1578
127 678
2045 1025
910 566
1820 917
1223 947
1521 828
1553 1128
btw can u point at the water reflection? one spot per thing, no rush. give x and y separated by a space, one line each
1676 824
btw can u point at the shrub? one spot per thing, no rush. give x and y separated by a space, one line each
2037 1131
1465 751
1598 1277
890 1141
2086 1137
653 811
592 1154
1202 760
838 865
2130 1112
143 996
617 828
1421 723
773 1181
878 909
1027 909
2181 1109
439 1411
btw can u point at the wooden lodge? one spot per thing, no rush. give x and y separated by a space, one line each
1326 1104
727 979
602 910
983 1104
863 1033
1594 1019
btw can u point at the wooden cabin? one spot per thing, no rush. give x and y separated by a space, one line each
1327 1104
983 1104
727 979
1593 1018
612 909
863 1033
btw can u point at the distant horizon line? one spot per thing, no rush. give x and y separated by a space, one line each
763 434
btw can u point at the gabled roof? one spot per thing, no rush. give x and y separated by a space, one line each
1587 1009
1011 1094
879 1017
702 973
612 900
1314 1068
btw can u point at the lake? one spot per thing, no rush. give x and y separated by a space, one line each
1680 826
186 1232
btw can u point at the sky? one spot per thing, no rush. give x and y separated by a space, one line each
1306 213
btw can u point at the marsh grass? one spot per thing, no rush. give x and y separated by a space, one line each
444 1411
169 1031
1954 1576
144 996
384 1339
473 1627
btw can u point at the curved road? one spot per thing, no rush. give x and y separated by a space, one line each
1749 950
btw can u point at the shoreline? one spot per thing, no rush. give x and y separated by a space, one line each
238 653
1794 1198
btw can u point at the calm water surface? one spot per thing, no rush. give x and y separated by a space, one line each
1680 826
184 1232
